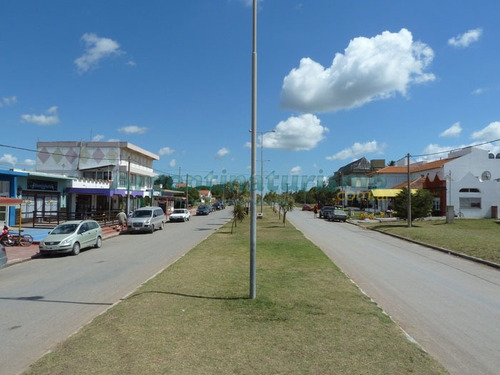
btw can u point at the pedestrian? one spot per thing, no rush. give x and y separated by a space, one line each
122 220
315 210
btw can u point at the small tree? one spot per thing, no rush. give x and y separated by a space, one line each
421 204
271 198
238 214
286 204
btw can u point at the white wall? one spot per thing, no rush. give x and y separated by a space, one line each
467 172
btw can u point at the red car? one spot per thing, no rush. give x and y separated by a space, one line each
306 207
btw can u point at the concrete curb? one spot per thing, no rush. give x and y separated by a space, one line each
441 249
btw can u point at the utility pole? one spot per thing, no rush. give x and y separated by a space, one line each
409 190
187 191
128 186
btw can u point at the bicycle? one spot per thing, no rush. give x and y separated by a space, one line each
16 239
460 214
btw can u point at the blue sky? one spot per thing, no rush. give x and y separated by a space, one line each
337 80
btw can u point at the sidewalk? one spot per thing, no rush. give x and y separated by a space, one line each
16 254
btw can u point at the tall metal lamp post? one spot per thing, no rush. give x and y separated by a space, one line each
253 181
262 167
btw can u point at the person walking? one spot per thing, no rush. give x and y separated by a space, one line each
122 220
315 209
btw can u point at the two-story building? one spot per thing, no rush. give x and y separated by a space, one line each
105 175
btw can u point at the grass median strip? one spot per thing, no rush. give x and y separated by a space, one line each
196 318
475 237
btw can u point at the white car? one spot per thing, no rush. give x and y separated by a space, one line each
180 214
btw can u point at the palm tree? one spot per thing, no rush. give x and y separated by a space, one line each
239 213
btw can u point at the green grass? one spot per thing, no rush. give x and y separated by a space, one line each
479 238
196 318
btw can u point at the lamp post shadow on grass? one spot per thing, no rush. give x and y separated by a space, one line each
188 295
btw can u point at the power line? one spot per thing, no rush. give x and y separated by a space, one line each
455 149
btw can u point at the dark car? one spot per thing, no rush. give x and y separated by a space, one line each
325 211
203 210
337 215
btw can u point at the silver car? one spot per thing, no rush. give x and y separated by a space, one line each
71 237
146 219
3 256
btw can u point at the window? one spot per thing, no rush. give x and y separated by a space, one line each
123 178
470 203
436 204
469 190
98 175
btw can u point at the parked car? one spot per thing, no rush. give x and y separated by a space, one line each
337 215
203 210
216 206
146 219
3 256
180 214
71 237
324 211
306 207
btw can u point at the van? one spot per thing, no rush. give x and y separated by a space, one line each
146 219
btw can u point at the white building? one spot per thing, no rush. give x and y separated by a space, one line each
469 180
473 182
109 175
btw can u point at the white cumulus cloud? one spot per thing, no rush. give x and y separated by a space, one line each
452 131
97 137
370 69
356 150
222 152
8 159
172 163
96 49
296 133
133 129
8 101
296 170
465 39
49 118
29 162
166 151
489 133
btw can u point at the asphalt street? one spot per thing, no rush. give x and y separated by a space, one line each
45 300
449 305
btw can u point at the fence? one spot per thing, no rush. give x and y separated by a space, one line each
49 219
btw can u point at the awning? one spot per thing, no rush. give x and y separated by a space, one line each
5 201
388 193
91 191
123 192
98 167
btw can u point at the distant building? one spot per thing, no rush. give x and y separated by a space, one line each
205 196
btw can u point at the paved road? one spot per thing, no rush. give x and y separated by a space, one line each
43 301
450 306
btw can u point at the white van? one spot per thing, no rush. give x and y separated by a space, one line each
146 219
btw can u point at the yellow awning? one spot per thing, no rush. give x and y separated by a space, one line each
388 193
